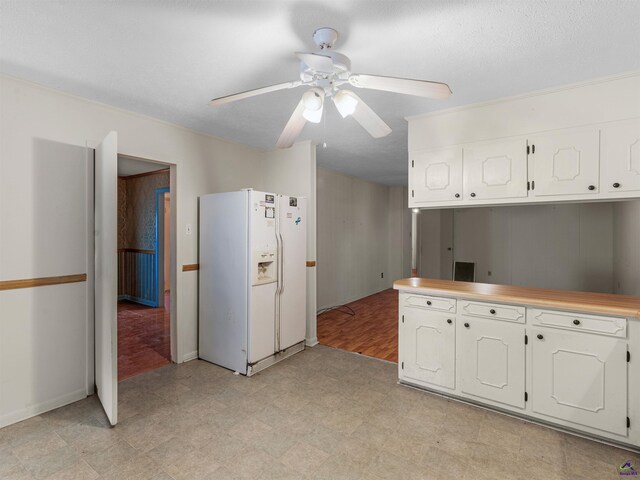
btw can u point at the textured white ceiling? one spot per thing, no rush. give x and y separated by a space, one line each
167 59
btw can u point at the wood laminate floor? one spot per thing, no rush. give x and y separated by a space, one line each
143 338
372 331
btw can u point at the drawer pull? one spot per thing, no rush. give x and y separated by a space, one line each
466 325
616 185
576 322
492 311
473 194
449 321
457 195
592 187
540 337
428 302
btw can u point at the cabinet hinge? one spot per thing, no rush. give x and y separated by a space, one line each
533 184
402 365
412 193
628 422
526 397
412 164
528 186
526 339
528 149
533 149
628 356
402 318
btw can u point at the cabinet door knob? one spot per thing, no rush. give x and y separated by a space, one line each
540 337
576 322
492 311
473 194
616 185
592 187
449 321
428 302
466 325
457 195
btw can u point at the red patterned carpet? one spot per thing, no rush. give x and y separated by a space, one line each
143 338
372 331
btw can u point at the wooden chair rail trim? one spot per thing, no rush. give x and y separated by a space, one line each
42 281
190 267
137 250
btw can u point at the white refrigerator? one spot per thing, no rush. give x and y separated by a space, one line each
252 293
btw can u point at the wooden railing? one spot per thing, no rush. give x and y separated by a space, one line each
137 279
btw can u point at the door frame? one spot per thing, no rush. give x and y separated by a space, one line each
159 245
173 232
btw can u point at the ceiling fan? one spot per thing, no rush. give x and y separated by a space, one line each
326 70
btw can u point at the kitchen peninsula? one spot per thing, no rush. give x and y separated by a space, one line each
565 359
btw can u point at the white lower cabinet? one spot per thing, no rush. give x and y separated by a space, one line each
580 378
573 370
427 347
491 357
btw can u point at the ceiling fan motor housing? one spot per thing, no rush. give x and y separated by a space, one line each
325 37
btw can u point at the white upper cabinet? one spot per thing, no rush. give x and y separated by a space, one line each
565 163
620 157
495 170
435 176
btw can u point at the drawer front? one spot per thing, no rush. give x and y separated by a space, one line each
579 322
498 311
441 304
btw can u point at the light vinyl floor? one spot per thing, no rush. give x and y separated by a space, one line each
322 414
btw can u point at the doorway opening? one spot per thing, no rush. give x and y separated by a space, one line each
144 266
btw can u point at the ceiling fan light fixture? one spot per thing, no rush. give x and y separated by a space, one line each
313 116
313 99
345 103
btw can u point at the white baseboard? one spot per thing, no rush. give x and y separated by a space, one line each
37 409
187 357
311 342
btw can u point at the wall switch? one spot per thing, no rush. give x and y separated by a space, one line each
187 229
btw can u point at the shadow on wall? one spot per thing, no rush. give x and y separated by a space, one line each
56 319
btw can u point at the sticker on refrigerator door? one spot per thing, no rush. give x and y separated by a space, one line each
269 198
270 212
298 220
289 215
293 202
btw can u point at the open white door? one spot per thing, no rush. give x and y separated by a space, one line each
106 275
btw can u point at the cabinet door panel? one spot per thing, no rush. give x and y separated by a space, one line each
436 176
580 378
566 163
495 170
621 157
427 347
491 360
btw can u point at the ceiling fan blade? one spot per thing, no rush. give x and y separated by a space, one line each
367 118
317 61
293 127
253 93
420 88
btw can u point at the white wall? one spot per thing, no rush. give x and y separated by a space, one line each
360 225
293 172
626 247
568 247
30 117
